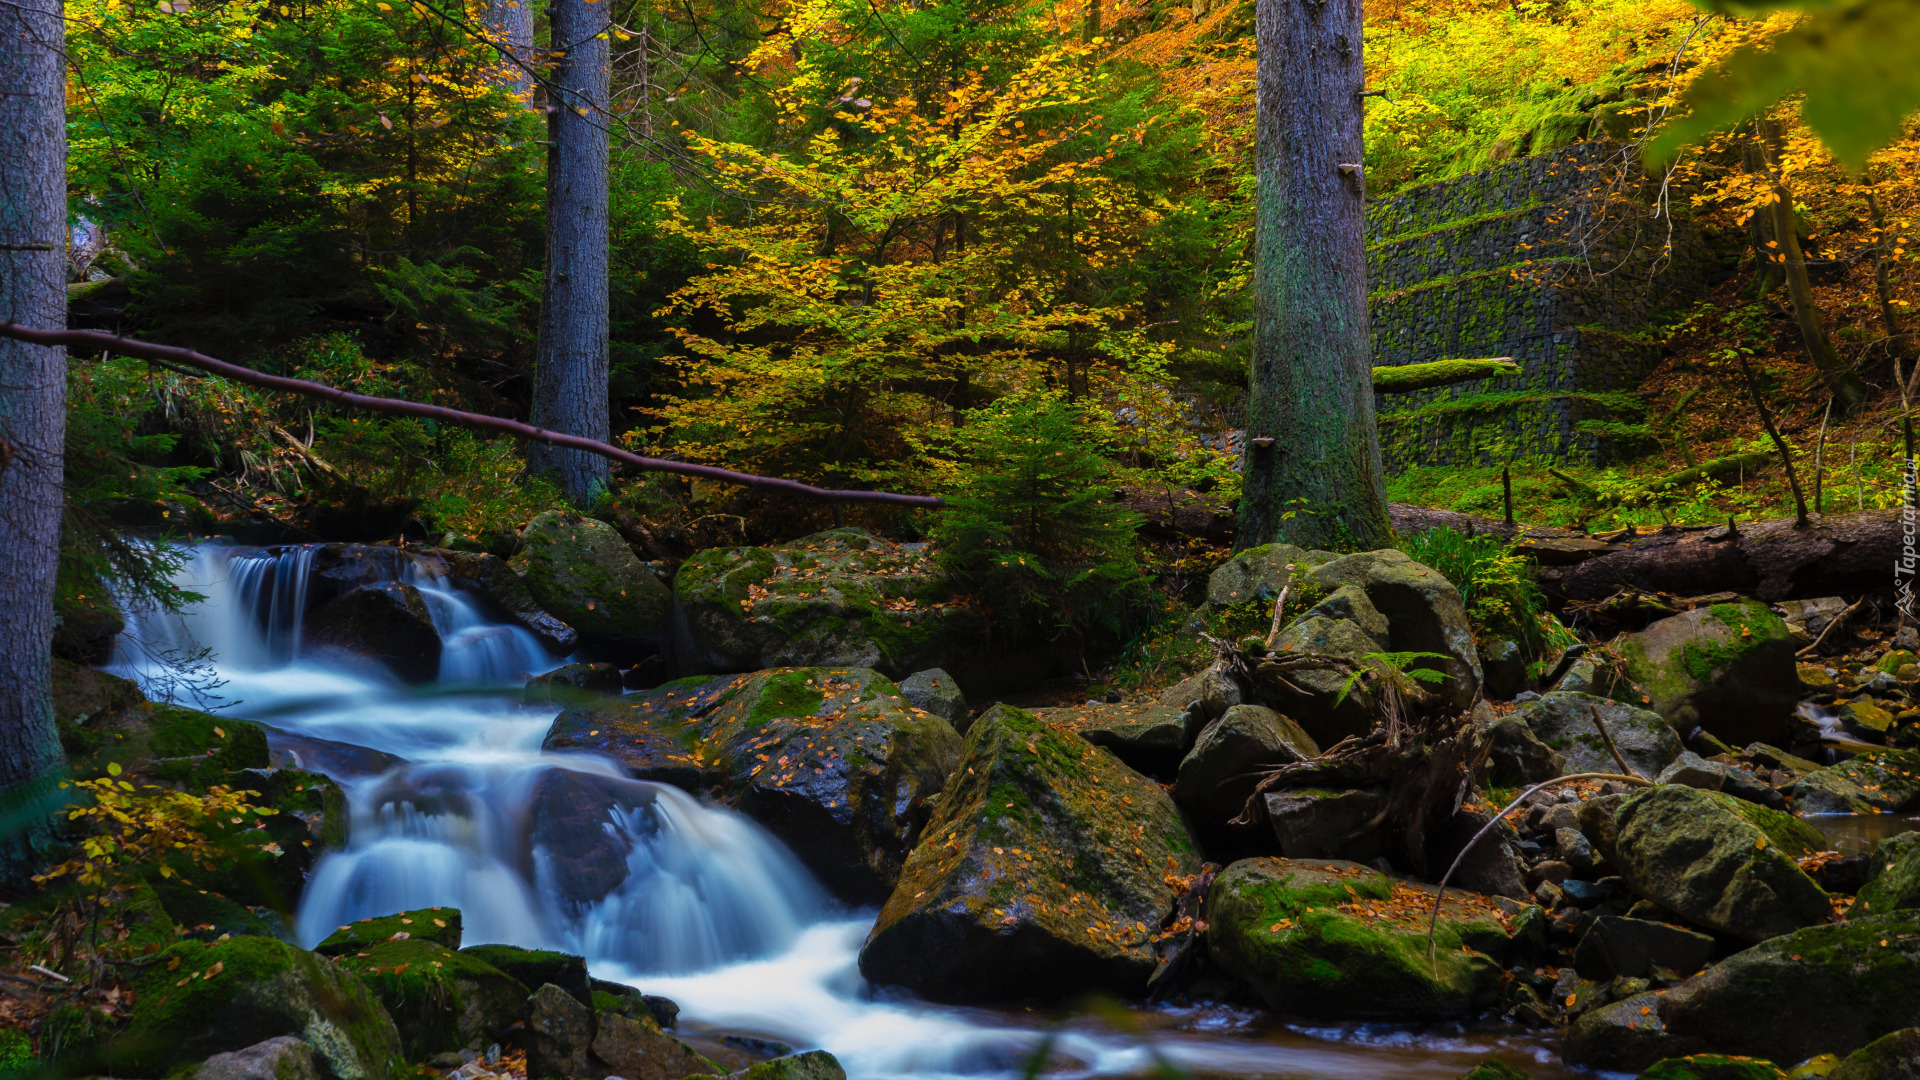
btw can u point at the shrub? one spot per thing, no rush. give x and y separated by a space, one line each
1502 598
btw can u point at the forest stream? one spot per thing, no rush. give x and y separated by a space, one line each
715 913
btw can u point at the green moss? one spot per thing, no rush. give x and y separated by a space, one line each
440 999
438 925
1456 224
1712 1067
1495 1070
534 968
1742 620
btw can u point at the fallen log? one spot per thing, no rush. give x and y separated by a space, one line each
1406 378
1837 554
1719 467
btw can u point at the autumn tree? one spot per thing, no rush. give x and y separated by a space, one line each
1312 470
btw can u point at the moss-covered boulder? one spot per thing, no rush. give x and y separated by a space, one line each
812 1065
284 1057
1424 613
386 622
440 926
1495 1069
1257 574
1894 1056
1728 668
1713 1067
1876 782
1626 1036
583 573
635 1048
204 998
104 719
1896 877
841 598
1150 737
1564 722
538 967
1218 776
1042 873
833 761
1719 862
1822 990
206 914
1344 624
1341 941
440 999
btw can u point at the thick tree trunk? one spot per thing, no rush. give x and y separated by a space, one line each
1312 469
510 23
570 383
33 384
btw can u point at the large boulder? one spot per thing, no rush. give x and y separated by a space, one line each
581 854
491 577
1728 668
538 967
384 621
1149 737
1219 774
1615 946
1519 757
1043 872
1875 782
1895 885
840 598
1316 823
1894 1056
1828 989
1564 722
583 573
283 1057
831 760
634 1048
1341 941
1424 613
936 692
197 999
1347 625
1257 574
1209 692
440 999
438 926
1719 862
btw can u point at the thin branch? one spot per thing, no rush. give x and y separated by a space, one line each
94 339
1607 737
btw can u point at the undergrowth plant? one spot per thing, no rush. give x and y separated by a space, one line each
1497 584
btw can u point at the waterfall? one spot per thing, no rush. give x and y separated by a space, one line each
655 888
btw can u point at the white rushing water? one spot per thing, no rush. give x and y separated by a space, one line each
713 912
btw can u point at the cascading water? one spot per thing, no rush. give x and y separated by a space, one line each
656 889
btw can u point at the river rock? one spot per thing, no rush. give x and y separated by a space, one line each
936 692
573 836
538 967
1256 574
385 621
1728 668
583 573
1692 770
224 996
1212 688
1614 946
559 1035
635 1048
439 926
840 598
1314 823
832 761
1718 862
1495 1069
1347 625
573 683
1712 1067
1564 721
1042 873
1491 867
1504 666
439 999
1341 941
1875 782
493 578
1150 738
1519 757
1893 1056
812 1065
1627 1036
1598 820
339 760
285 1057
1424 613
1895 885
1218 775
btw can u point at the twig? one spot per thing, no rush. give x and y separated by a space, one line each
48 972
1279 605
1786 456
1607 736
1837 620
1441 893
1820 458
94 339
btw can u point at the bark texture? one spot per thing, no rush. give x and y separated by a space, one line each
1846 383
570 383
510 26
33 381
1317 483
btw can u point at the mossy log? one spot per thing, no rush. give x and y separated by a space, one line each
1719 467
1407 378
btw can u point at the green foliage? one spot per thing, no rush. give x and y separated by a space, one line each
1032 526
1394 666
1854 62
1502 598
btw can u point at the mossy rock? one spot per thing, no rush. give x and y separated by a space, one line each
1042 873
1719 862
1896 877
1894 1056
812 1065
1895 659
104 719
208 913
833 761
537 968
1876 782
841 598
1712 1067
1563 720
441 926
200 999
1148 736
1728 668
1495 1069
583 573
1257 574
1341 941
138 921
440 999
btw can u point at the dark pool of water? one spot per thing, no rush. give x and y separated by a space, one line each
1856 834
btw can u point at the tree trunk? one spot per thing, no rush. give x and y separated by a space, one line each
1881 284
33 385
570 382
1813 335
510 24
1316 480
